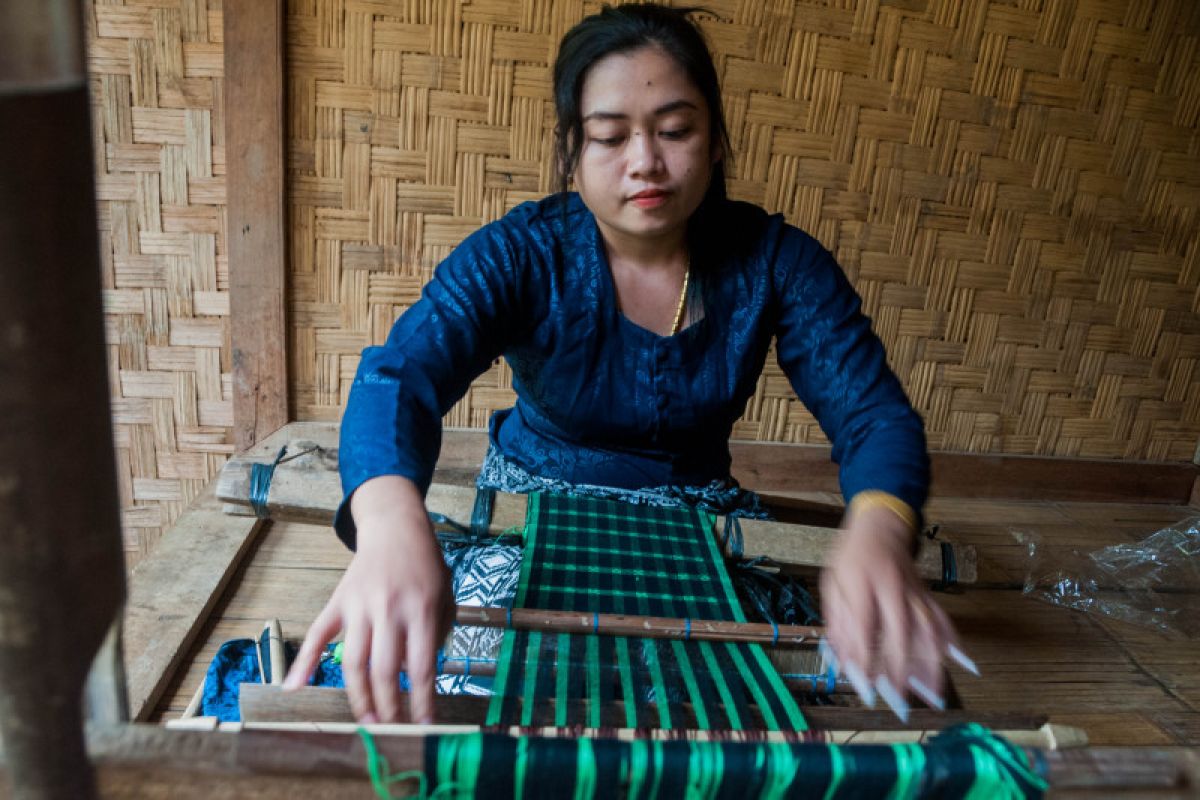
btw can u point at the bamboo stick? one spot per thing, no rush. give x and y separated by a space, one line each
1048 737
644 627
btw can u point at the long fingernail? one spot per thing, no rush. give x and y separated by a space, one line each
369 718
893 698
858 680
963 660
828 659
925 693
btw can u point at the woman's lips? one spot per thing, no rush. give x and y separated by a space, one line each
649 199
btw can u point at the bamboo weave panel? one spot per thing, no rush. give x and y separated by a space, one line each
1013 191
155 72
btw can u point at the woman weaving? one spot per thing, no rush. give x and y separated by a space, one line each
636 315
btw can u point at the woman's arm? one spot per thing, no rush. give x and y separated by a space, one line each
394 604
883 625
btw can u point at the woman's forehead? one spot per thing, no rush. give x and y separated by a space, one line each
644 81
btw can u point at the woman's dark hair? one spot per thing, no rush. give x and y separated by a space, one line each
621 29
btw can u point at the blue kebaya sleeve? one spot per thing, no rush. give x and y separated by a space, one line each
470 309
838 369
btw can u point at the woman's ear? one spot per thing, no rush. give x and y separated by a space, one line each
718 153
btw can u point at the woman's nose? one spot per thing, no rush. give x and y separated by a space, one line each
644 155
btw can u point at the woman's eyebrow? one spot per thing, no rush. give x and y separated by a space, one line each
666 108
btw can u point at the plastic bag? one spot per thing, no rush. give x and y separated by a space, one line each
1154 582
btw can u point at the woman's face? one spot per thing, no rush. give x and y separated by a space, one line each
647 157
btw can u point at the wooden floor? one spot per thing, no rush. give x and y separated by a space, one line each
1122 683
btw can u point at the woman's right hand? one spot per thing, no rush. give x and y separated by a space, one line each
394 605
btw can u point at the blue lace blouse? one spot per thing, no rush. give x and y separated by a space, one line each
603 401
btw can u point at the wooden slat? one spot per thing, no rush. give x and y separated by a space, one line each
322 704
254 135
137 761
767 467
306 489
173 591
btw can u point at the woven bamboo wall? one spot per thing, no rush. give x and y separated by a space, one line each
157 119
1013 188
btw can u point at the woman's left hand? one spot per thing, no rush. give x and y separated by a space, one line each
887 633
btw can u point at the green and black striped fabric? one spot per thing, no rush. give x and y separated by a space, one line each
591 555
964 762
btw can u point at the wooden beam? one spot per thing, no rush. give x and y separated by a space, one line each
773 468
256 229
770 467
62 576
261 703
306 489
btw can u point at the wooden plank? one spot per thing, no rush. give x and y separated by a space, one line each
257 240
61 570
322 704
172 592
305 488
770 467
145 761
787 470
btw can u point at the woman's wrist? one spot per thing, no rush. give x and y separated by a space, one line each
882 517
387 509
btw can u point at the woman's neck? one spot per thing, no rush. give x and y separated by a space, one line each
668 251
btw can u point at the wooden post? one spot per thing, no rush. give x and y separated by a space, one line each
61 567
254 165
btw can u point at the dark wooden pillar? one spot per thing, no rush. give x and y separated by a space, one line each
61 570
254 178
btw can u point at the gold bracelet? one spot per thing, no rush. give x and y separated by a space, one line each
874 498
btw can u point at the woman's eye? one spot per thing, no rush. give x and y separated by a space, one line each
677 133
607 141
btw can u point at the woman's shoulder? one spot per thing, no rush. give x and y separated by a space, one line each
549 218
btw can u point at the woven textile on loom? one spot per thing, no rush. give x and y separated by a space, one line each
591 555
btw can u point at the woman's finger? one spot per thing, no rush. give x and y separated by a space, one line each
850 622
422 658
925 670
327 625
355 651
387 659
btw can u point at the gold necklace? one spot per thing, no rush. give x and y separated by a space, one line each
687 273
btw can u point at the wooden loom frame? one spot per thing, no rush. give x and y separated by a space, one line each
161 624
158 647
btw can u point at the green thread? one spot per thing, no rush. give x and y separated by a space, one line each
585 770
760 697
910 766
660 686
689 679
520 766
561 675
627 691
837 771
718 679
531 671
706 767
593 680
496 705
382 778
